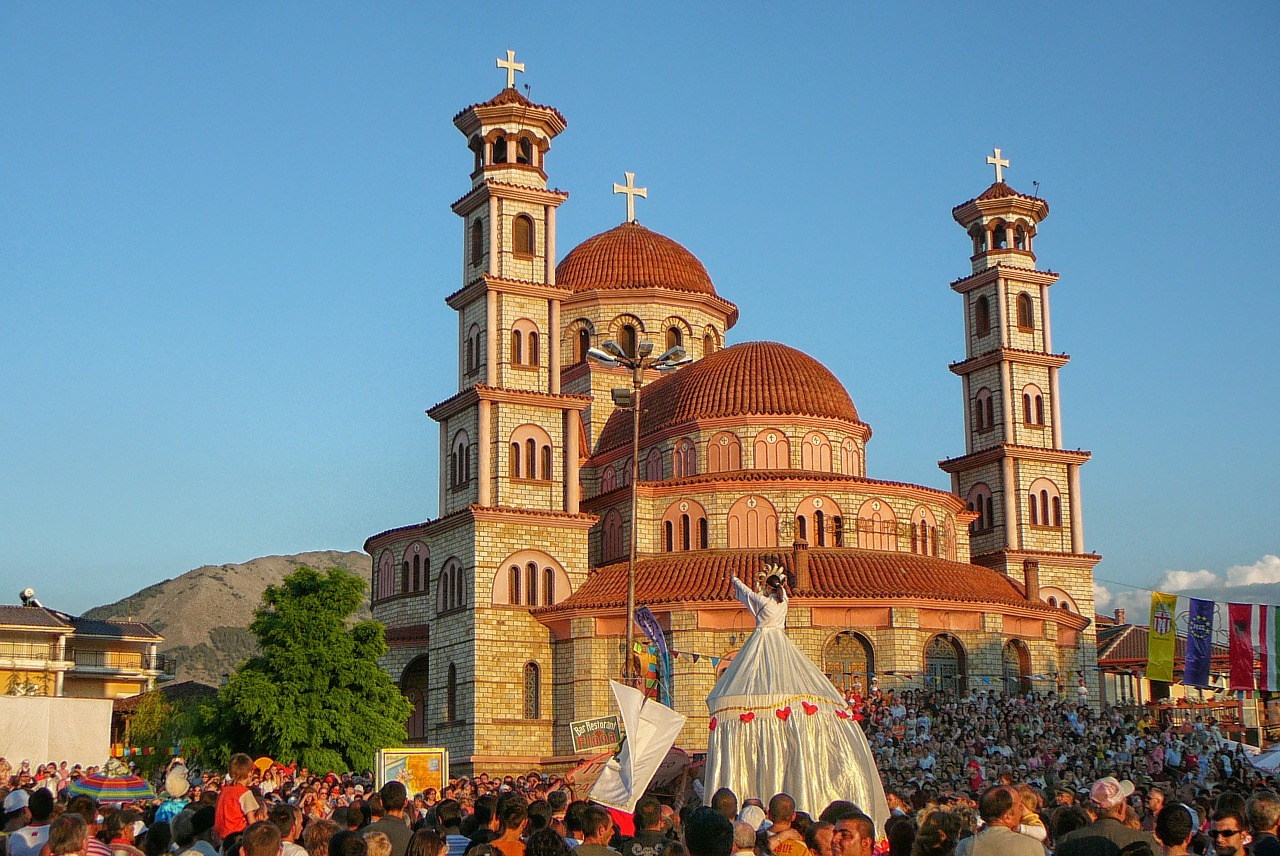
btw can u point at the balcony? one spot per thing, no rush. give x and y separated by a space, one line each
30 655
122 662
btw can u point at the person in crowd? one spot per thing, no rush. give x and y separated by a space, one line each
707 832
1107 801
1000 808
68 836
317 835
1174 828
854 836
235 801
1229 832
818 838
393 824
426 842
546 842
120 829
378 843
649 840
30 839
288 819
1263 811
938 835
597 831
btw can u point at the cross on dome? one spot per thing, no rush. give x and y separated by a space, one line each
512 67
632 192
999 163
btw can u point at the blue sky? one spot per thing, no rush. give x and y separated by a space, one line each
226 238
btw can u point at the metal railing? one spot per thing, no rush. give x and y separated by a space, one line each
122 661
45 653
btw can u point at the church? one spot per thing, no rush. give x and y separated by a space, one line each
506 614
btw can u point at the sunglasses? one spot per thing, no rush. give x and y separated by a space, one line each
1224 833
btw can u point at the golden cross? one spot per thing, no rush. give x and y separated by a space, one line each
632 192
512 67
999 164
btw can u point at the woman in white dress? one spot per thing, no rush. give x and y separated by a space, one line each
778 725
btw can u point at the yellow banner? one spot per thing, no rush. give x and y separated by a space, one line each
1160 639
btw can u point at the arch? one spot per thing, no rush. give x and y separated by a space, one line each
653 465
850 459
384 583
524 151
451 587
451 695
519 579
772 450
815 452
624 327
1016 662
1026 312
945 665
820 521
415 686
676 332
499 150
418 557
524 343
477 241
608 479
1032 405
999 236
523 236
753 522
724 453
460 459
949 528
1021 237
611 543
982 315
684 459
532 684
984 410
473 349
477 150
981 503
979 236
710 340
628 338
1044 503
877 526
531 443
1055 596
684 527
924 532
578 338
849 661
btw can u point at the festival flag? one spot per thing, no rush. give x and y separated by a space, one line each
1160 637
1267 643
648 622
1240 648
1199 642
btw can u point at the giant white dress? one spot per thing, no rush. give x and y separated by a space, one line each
778 725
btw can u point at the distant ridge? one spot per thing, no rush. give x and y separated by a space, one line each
204 614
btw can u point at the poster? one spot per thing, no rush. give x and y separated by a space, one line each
597 734
419 769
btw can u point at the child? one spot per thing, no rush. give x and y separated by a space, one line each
236 801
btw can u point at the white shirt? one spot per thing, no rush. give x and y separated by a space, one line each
28 841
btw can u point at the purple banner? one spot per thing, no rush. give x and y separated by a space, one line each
1199 643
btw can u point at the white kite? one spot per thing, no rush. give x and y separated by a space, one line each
652 729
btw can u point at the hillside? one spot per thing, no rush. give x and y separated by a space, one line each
205 613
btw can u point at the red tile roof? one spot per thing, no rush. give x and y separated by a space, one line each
835 573
510 95
631 256
31 616
749 379
1128 642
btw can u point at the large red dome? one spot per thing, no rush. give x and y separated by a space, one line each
631 256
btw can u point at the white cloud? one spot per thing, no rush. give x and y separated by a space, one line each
1265 570
1182 580
1101 597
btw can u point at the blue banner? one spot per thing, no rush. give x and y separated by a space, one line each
648 622
1199 643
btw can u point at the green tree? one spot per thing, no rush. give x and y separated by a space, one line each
315 694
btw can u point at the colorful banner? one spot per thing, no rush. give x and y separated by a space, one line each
648 622
1199 643
1240 645
1268 647
1161 637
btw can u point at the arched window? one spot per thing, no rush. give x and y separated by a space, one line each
944 665
1032 405
753 522
417 572
703 535
500 150
531 691
584 345
517 348
451 587
979 236
815 521
1026 312
850 460
544 458
529 578
675 338
608 479
525 152
611 545
982 316
849 662
404 577
460 460
653 465
710 342
532 353
451 695
513 584
877 526
724 453
815 452
522 236
684 460
999 237
980 502
1016 661
385 581
628 337
1044 503
772 450
683 526
477 150
413 728
1020 237
924 532
532 444
984 410
531 584
530 458
514 470
477 241
548 586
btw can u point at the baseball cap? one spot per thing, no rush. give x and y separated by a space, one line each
1109 792
17 800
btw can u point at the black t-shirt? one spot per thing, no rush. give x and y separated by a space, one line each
647 842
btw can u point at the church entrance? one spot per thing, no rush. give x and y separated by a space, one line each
944 665
849 663
413 684
1017 667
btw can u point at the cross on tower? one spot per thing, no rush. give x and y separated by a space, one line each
632 192
512 67
996 161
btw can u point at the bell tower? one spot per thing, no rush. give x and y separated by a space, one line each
1015 475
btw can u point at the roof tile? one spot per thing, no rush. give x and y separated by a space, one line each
631 256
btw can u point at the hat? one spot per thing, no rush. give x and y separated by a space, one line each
359 789
175 783
753 815
1108 792
202 820
16 800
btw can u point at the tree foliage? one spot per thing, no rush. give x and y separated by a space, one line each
315 694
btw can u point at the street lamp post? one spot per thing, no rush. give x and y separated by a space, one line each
613 355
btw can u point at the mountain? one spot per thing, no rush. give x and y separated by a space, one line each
205 613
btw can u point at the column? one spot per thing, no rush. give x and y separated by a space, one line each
484 455
443 463
551 245
1055 411
1077 516
1013 534
968 415
1006 400
495 230
1003 319
491 338
553 347
572 489
1044 319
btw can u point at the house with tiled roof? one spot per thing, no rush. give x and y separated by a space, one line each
507 611
44 652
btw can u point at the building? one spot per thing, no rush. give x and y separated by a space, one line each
506 613
44 652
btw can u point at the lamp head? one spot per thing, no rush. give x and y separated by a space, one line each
601 357
644 349
614 349
672 355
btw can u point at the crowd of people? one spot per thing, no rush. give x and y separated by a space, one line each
975 775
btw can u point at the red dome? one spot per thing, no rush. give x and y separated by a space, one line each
750 379
631 256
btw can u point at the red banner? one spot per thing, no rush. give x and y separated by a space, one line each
1241 647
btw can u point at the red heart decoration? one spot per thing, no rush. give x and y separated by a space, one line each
784 713
809 709
843 714
711 726
748 716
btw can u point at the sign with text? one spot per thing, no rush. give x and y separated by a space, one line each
603 732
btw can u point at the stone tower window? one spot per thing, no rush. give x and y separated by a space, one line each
1044 504
982 316
451 695
1000 237
981 502
531 681
583 345
477 150
1020 238
525 153
675 337
522 236
477 241
984 410
500 150
1026 313
628 336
